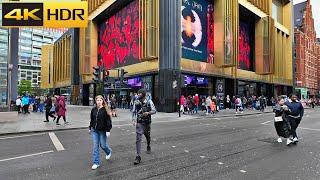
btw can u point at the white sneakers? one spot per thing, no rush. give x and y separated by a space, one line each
279 140
94 167
289 141
108 156
295 140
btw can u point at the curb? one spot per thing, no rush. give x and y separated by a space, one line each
76 128
40 131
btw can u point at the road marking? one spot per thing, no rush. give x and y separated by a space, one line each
202 157
29 155
28 135
309 129
265 122
243 171
220 163
56 141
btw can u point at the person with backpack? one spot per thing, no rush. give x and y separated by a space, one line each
61 110
99 128
141 118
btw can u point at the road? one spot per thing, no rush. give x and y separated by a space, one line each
204 148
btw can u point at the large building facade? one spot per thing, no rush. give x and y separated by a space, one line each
306 52
209 47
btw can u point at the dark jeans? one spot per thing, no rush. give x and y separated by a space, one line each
294 122
48 113
64 118
141 129
26 108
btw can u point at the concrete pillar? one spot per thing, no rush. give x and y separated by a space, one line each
169 55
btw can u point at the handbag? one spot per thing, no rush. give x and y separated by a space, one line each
278 119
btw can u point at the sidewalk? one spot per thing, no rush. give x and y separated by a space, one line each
78 117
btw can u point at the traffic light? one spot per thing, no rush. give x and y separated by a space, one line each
122 75
96 74
106 82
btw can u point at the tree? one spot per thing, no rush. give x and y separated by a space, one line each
24 87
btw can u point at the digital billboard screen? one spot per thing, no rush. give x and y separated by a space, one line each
197 30
119 38
246 36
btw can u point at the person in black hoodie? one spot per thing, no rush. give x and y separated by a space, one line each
100 126
296 112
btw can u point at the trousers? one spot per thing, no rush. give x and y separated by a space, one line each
142 129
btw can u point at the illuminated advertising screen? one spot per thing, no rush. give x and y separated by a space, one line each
245 58
197 30
119 38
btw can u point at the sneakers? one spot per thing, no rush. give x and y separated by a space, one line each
94 167
137 160
295 140
279 140
46 121
108 156
58 124
148 150
289 141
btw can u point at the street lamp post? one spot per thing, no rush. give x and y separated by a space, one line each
10 67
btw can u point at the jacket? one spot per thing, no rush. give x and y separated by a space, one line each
62 107
139 107
48 103
296 109
100 120
282 127
25 100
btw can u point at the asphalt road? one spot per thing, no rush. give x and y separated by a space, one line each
229 148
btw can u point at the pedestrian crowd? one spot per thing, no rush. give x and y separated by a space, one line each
192 104
52 106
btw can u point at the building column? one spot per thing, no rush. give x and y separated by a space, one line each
13 61
169 86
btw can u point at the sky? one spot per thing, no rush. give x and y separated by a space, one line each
315 12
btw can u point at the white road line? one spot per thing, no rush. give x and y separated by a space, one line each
56 141
29 155
28 135
265 122
308 129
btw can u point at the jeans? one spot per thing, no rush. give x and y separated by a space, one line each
196 108
48 113
99 138
40 107
142 129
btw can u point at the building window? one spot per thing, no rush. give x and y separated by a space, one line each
277 13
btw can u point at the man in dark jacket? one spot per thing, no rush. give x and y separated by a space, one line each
141 118
295 115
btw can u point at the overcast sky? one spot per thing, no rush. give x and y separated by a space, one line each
315 12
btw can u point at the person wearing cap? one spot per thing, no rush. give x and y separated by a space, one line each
142 110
